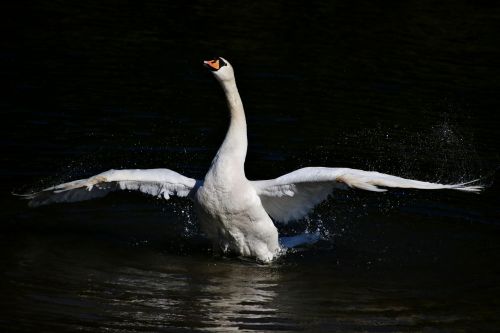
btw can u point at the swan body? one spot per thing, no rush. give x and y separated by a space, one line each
234 212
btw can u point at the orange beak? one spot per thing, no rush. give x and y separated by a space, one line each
214 65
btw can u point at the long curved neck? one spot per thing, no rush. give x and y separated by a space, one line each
234 148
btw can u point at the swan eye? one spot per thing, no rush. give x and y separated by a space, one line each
221 62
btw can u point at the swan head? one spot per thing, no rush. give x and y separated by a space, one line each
221 69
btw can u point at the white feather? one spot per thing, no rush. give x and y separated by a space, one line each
292 196
156 182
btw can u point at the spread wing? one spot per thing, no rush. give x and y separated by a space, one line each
157 182
292 196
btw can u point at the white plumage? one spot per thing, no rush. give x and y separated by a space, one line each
234 212
157 182
291 196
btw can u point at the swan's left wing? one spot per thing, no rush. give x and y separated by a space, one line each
161 183
292 196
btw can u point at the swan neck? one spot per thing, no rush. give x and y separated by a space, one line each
235 143
233 99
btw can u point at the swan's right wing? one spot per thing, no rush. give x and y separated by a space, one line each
161 183
292 196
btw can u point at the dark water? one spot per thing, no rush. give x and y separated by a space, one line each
404 88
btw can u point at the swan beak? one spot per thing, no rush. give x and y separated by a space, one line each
213 65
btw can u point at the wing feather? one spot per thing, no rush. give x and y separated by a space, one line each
156 182
292 196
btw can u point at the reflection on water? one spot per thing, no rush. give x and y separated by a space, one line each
238 297
82 288
61 283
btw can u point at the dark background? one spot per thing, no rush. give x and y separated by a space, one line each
404 88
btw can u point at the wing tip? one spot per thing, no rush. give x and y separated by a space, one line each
472 189
477 188
34 199
25 196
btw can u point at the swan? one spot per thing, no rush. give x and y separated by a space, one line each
235 213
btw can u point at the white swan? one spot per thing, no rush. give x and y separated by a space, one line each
234 212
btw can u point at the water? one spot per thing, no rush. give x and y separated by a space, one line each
409 89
